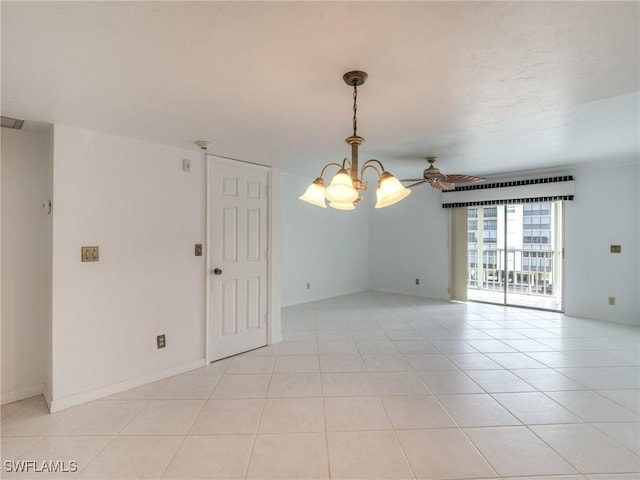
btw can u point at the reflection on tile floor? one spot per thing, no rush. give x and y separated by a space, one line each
369 386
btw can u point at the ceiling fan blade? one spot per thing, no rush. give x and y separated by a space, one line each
463 179
440 185
412 180
420 182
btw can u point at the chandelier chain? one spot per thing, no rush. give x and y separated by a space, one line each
355 109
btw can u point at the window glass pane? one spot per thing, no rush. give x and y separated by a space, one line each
530 263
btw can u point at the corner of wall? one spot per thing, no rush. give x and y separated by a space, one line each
408 241
325 252
46 393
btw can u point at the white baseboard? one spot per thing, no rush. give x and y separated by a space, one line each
318 297
21 394
413 293
63 403
622 320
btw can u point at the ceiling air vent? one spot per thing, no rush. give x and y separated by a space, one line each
11 122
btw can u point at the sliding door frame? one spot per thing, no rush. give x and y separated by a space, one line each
557 249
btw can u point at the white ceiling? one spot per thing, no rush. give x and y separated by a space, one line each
488 87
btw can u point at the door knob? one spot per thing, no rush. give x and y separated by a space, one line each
217 271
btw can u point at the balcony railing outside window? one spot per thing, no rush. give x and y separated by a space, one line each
528 271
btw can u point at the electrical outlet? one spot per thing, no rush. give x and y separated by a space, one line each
161 341
90 254
612 300
417 281
308 285
198 250
616 248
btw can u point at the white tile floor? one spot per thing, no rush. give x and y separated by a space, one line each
370 386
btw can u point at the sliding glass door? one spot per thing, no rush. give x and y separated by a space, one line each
515 254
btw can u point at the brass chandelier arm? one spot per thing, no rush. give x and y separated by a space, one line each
332 164
367 164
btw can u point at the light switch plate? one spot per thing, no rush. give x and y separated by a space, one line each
91 254
616 248
198 250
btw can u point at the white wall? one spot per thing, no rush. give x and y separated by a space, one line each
132 199
324 247
409 240
605 211
26 261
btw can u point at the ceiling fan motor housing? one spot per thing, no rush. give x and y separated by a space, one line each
431 172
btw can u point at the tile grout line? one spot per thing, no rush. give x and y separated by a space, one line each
255 437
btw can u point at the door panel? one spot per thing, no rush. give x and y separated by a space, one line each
253 234
237 258
228 307
229 233
253 302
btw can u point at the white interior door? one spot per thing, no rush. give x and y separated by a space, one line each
237 257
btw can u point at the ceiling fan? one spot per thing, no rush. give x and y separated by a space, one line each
440 181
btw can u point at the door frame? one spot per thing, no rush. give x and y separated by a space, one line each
273 221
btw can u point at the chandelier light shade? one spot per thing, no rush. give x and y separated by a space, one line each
343 206
343 193
341 189
389 190
315 193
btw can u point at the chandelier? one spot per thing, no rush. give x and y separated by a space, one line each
343 193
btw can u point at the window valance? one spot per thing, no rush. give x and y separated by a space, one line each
515 191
